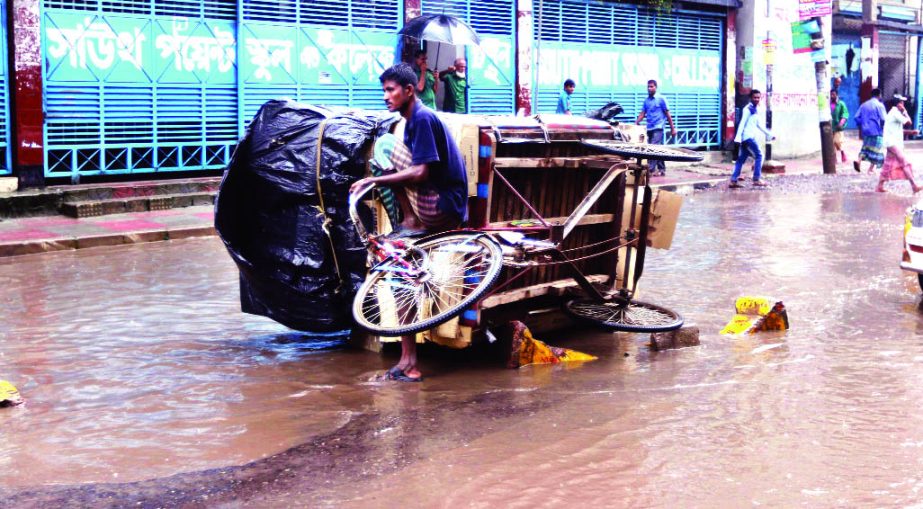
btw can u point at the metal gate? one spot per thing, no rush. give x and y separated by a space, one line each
142 87
611 51
5 156
492 66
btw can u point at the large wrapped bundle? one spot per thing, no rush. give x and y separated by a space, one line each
282 212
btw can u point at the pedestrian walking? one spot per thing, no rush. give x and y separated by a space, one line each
426 83
896 166
564 104
656 111
456 87
750 125
871 121
840 115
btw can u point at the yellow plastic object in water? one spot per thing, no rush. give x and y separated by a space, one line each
757 314
9 395
528 350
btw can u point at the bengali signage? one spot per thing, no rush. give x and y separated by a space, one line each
808 9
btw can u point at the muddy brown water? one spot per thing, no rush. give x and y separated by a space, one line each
137 365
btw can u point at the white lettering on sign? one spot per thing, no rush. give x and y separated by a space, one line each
354 58
496 52
190 53
268 54
94 42
601 68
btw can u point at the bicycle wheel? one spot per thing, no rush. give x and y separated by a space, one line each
448 274
625 315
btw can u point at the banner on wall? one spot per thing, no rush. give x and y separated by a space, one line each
608 66
808 9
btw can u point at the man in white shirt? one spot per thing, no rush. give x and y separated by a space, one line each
750 124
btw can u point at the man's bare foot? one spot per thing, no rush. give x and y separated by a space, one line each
398 374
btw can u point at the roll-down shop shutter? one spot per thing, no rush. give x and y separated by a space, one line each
491 66
317 51
611 50
5 157
157 86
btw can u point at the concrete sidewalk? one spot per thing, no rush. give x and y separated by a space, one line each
913 150
55 233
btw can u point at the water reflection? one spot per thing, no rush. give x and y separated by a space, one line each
137 363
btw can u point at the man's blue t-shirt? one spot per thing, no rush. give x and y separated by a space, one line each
563 102
430 143
655 111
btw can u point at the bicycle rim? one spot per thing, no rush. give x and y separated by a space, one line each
625 316
460 268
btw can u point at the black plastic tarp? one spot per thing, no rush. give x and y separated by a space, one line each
268 212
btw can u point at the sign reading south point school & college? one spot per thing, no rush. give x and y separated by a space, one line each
628 67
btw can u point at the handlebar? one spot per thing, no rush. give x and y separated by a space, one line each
354 199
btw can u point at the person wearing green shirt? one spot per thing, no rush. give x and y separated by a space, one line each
456 87
840 116
426 81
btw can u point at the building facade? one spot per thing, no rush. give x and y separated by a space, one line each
122 88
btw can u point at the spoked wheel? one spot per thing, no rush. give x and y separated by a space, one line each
448 273
625 315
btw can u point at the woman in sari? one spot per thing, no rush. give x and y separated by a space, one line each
896 166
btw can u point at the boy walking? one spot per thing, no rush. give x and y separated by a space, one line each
655 110
750 124
840 116
871 121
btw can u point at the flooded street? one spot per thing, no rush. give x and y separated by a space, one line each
147 387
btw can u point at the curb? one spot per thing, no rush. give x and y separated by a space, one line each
8 249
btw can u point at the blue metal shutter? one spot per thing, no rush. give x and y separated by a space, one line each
134 86
918 99
138 87
5 156
492 66
611 50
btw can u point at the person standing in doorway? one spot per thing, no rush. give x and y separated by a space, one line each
426 84
564 103
456 87
656 111
871 121
840 115
896 165
750 125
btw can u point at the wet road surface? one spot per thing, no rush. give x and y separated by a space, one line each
146 386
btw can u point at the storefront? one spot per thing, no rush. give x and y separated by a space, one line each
612 49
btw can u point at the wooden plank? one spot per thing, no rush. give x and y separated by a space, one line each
556 162
551 288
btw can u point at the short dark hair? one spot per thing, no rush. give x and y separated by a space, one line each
652 82
569 83
419 52
835 91
401 73
876 92
754 92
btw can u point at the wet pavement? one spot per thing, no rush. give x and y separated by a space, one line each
146 387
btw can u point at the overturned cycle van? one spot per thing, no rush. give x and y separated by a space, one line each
562 204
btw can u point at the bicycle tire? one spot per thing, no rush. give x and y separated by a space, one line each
625 315
367 308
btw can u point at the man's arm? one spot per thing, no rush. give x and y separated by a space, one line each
670 120
844 114
413 175
640 117
421 83
742 125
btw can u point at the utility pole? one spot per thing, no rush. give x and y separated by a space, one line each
869 63
823 101
771 56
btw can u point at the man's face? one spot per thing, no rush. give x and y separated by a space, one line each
755 99
833 97
651 89
421 60
395 96
460 66
570 89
